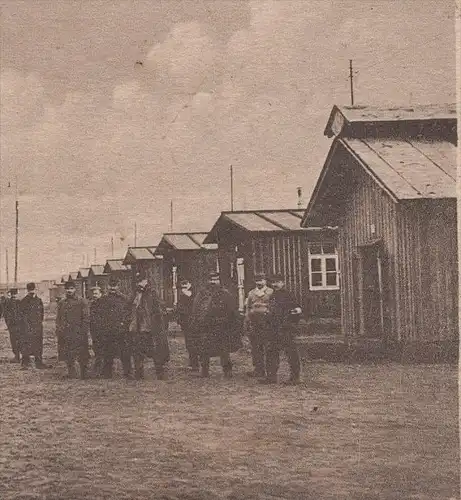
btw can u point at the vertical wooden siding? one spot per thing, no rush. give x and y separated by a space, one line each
367 205
428 270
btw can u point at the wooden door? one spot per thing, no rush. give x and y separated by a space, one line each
371 293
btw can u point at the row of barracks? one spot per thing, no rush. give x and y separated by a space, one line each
372 260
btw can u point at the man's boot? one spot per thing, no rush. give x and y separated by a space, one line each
83 371
25 363
40 365
71 371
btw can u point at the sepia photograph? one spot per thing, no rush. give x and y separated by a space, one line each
229 249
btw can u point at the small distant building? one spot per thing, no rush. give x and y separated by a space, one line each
97 277
144 259
389 183
272 241
115 268
82 277
185 256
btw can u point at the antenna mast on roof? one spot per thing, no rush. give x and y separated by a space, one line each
351 78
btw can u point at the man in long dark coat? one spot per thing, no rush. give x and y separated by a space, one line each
114 309
184 309
284 313
96 329
147 335
31 336
12 315
72 328
214 326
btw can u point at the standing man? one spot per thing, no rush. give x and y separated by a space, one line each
12 315
31 337
214 326
284 314
257 323
185 301
146 335
114 317
72 326
96 327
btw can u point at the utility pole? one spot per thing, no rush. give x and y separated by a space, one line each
232 187
135 234
351 77
7 270
111 246
16 237
95 256
171 216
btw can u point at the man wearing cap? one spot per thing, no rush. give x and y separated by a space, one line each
214 326
256 323
147 335
31 337
284 313
72 328
114 313
96 327
184 310
12 315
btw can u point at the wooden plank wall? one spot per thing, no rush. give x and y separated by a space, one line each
367 205
428 270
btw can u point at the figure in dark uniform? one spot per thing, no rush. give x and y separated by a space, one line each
72 328
284 313
12 315
147 335
96 329
185 301
31 335
114 310
214 326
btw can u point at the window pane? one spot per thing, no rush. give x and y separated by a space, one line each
316 265
331 279
316 279
329 248
330 264
315 249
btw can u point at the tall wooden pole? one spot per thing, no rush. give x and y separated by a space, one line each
7 269
111 246
171 216
16 245
135 234
351 77
232 187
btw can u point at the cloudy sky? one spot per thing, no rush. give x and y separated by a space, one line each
109 110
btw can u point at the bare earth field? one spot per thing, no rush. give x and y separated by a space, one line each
365 432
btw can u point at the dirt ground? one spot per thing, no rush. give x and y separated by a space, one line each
365 432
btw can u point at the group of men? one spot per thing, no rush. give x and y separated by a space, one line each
269 322
133 329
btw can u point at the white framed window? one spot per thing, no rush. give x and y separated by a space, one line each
323 266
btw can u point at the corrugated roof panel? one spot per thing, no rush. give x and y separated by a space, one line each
117 265
416 168
97 269
73 275
421 112
442 154
405 170
181 242
142 253
286 219
84 271
251 222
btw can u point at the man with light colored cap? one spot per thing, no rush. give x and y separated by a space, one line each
256 323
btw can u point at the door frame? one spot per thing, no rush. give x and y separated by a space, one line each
375 246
